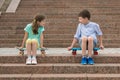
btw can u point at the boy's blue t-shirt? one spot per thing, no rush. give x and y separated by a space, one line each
91 29
31 35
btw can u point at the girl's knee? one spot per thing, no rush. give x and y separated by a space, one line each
35 42
28 41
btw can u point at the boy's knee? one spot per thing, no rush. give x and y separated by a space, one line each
84 38
90 38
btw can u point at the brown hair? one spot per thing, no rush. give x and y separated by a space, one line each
35 26
85 14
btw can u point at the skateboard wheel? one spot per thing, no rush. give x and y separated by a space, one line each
43 53
95 53
73 52
21 53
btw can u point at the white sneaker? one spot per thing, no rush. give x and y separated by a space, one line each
28 61
34 61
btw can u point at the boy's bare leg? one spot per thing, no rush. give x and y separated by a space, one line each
90 46
84 41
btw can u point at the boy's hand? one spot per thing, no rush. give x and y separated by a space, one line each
101 47
69 48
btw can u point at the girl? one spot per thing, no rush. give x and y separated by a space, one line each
33 38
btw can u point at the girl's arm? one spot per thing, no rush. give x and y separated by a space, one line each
24 39
41 40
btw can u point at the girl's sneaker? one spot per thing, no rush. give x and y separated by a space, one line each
34 61
28 61
90 61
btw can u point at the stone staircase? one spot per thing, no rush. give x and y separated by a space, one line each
60 67
61 25
62 21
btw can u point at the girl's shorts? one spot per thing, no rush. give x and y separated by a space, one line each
33 40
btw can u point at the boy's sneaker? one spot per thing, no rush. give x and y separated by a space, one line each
28 61
84 61
90 61
34 61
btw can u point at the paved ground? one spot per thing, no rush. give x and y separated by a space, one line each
14 51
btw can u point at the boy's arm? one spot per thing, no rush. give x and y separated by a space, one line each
24 39
41 40
100 41
76 36
73 43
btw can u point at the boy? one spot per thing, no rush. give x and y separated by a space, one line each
86 35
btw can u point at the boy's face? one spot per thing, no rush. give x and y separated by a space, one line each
83 20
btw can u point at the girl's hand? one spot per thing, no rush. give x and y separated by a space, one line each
42 47
69 48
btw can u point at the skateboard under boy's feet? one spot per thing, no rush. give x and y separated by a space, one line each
21 51
74 50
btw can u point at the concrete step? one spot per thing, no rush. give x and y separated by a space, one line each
78 3
49 16
56 45
62 58
66 68
57 40
60 77
53 19
48 36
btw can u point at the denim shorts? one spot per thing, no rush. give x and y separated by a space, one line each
80 44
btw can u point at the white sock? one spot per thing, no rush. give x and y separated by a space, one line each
33 57
89 57
29 56
83 56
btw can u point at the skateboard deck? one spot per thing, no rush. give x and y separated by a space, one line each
21 50
74 50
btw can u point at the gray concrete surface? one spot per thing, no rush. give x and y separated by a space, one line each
14 51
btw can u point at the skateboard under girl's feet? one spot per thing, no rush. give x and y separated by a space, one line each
21 51
74 50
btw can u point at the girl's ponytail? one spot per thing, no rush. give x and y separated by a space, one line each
35 25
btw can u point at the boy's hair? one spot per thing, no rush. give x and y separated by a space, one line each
84 14
35 26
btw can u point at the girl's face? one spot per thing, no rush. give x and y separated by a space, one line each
42 23
83 20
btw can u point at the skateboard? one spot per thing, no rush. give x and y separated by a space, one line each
21 50
74 50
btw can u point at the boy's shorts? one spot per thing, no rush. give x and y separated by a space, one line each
33 40
80 44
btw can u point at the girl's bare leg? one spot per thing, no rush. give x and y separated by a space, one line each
34 47
28 48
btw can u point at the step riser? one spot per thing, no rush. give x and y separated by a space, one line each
59 69
47 78
59 45
59 59
63 78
